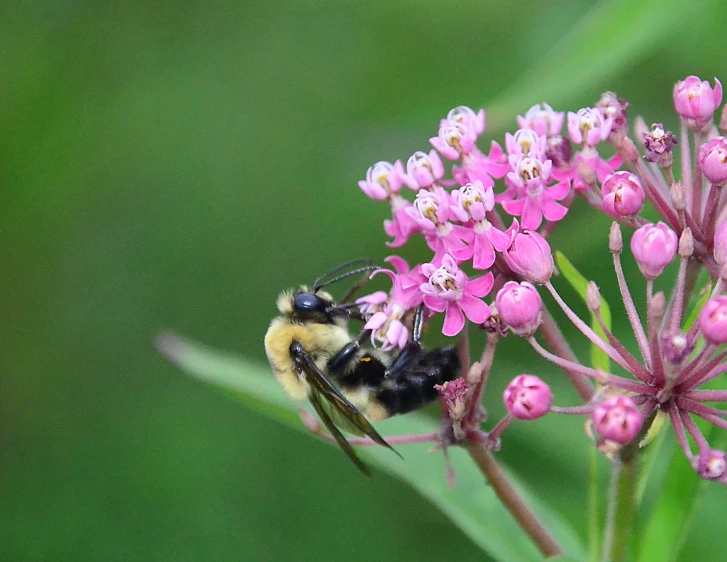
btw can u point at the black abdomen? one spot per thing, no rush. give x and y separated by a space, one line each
414 387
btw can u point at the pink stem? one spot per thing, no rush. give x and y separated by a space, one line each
587 331
631 311
600 376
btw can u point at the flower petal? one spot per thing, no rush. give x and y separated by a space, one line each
481 286
453 320
475 309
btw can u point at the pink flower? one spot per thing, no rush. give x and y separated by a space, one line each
617 419
527 397
402 225
654 246
384 178
542 119
387 311
614 107
470 119
454 140
530 257
713 160
531 197
449 290
589 126
623 195
713 320
523 141
432 211
472 202
696 101
720 244
520 307
425 169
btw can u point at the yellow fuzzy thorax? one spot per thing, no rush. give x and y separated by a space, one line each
321 341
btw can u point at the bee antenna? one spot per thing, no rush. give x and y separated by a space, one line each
332 277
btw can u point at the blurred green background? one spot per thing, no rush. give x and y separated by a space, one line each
177 164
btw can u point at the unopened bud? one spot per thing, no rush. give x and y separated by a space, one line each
527 397
677 196
653 247
593 296
640 127
617 419
520 307
615 240
686 243
713 320
723 119
474 375
628 149
658 303
712 464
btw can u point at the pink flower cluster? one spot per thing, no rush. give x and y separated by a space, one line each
459 212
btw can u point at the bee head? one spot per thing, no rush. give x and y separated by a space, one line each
305 305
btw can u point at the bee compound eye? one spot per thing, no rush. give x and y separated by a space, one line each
308 303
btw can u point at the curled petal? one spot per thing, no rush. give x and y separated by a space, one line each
453 320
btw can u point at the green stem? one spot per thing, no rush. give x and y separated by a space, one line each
621 510
512 500
594 507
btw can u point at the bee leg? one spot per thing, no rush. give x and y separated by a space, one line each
338 363
413 350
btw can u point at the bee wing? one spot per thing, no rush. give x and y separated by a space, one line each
337 403
315 399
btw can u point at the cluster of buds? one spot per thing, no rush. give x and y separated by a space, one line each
476 254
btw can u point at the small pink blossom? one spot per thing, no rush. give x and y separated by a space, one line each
384 178
449 290
542 119
455 139
617 419
696 101
654 247
713 320
386 311
472 202
527 397
713 160
467 116
432 212
614 107
530 257
520 307
529 194
589 126
425 169
402 225
623 194
523 141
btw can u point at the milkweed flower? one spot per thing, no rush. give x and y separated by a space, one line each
449 290
696 101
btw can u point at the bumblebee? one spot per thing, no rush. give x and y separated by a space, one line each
314 357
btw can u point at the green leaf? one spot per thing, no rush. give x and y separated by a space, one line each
472 505
599 359
671 519
592 52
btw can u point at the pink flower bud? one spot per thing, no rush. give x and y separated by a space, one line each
696 101
520 307
527 397
530 257
720 244
713 320
713 160
654 246
711 464
623 195
617 419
